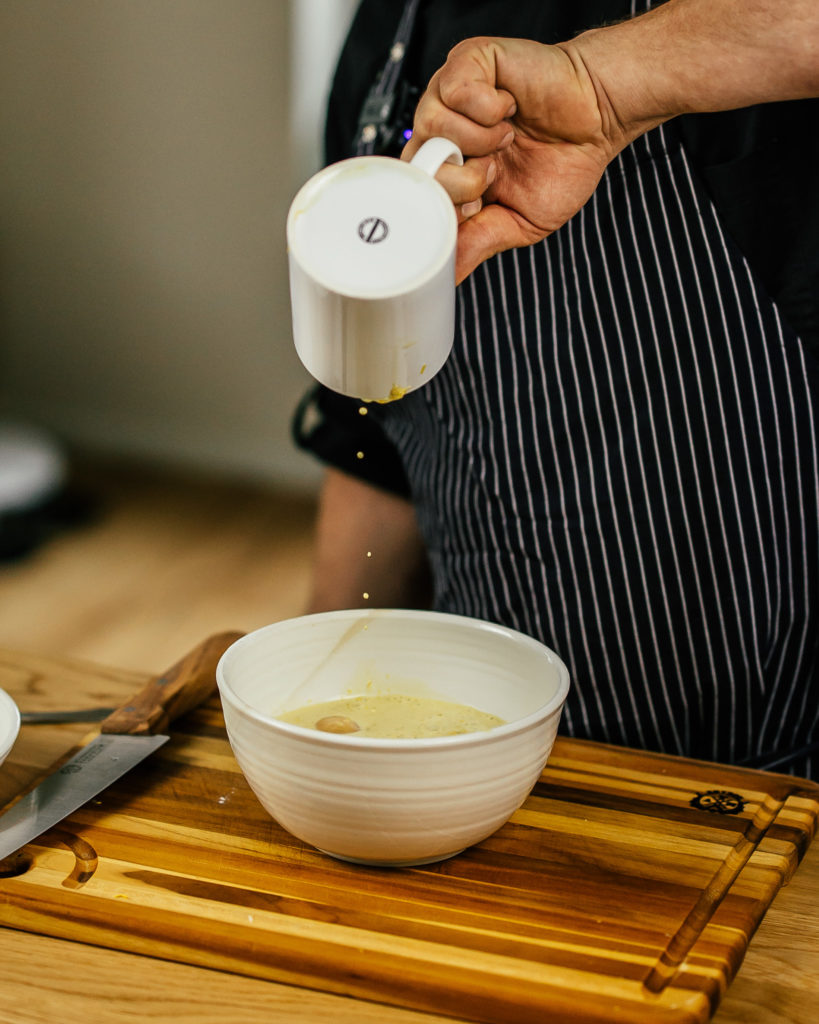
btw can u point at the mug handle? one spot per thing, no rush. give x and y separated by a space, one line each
435 152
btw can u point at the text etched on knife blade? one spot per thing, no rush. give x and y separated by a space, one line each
83 759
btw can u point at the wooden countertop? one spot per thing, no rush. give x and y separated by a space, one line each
43 978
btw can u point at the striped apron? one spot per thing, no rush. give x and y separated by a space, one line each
620 458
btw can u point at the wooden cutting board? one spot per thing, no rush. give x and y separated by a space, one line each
563 914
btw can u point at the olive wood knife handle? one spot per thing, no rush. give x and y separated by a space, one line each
183 687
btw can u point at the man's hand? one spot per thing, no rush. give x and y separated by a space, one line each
534 139
538 124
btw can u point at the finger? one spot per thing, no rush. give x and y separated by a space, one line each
469 209
467 84
467 183
461 103
471 138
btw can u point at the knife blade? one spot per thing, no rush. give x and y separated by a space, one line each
127 736
60 717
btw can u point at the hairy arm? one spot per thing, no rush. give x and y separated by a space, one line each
538 124
367 542
696 56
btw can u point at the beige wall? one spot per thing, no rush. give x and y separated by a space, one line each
149 154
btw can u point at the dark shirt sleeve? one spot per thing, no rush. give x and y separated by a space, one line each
332 428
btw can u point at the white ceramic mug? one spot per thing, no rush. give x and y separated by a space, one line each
371 247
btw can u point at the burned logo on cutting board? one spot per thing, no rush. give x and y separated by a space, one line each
719 801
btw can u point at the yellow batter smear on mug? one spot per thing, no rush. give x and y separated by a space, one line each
393 716
394 395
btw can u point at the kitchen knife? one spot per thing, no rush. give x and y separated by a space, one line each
127 736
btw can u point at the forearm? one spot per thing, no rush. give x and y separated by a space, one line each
368 551
696 56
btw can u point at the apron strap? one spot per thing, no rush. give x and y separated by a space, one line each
374 123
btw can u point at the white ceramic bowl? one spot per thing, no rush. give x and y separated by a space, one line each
9 724
391 801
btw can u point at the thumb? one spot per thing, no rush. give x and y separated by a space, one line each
494 229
